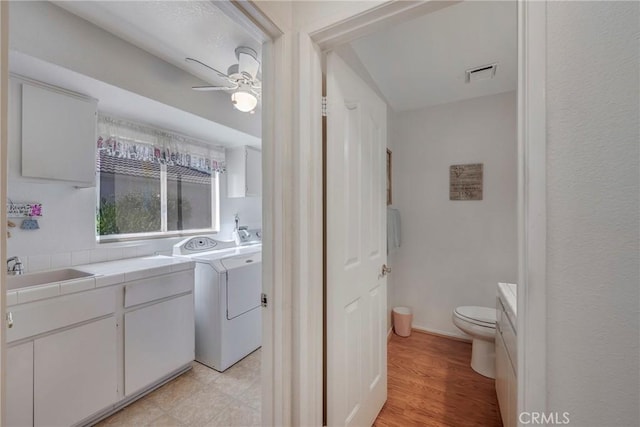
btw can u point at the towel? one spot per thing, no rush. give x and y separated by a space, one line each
393 229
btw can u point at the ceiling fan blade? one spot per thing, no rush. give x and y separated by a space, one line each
248 64
209 88
220 73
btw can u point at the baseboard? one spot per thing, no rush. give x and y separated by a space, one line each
389 334
442 334
105 413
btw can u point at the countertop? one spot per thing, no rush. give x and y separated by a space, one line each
508 294
126 270
103 274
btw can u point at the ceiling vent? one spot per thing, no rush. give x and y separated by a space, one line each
485 72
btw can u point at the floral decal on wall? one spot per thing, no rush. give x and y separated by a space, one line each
36 210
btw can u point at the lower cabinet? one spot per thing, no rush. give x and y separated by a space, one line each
75 373
19 403
159 339
512 398
502 380
73 366
506 379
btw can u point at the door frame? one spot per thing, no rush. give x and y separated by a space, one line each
532 207
531 141
277 211
4 102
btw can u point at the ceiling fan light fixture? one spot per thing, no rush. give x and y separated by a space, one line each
244 101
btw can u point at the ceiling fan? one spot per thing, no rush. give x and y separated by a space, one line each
242 78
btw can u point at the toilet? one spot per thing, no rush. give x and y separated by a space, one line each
480 324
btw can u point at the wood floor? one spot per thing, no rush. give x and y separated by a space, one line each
430 383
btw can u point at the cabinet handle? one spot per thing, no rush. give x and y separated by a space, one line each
9 320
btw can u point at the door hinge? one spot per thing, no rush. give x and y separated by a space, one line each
263 299
324 106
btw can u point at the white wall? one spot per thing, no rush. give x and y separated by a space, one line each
249 209
454 253
593 212
313 15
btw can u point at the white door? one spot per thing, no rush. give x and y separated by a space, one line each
356 249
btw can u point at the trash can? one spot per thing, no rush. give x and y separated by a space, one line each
402 318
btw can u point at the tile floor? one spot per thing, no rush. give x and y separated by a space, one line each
200 397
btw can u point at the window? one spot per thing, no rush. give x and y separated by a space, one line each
189 199
153 183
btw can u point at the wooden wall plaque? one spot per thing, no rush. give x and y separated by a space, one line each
465 182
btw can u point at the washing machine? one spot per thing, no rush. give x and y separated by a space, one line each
228 286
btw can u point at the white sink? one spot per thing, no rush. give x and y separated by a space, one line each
43 278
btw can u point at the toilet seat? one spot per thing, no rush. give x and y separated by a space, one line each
480 316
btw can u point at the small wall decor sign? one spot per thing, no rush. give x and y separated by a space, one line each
465 182
24 210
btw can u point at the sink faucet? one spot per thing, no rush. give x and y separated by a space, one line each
16 268
243 231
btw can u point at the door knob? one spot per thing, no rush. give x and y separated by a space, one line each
385 270
9 320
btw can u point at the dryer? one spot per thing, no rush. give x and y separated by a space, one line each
228 285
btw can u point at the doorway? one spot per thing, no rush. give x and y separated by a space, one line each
439 115
185 115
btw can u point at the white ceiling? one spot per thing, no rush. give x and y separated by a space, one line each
124 104
172 30
422 62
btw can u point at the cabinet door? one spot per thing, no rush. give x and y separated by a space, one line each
58 129
75 373
502 384
19 403
158 340
512 397
236 176
253 172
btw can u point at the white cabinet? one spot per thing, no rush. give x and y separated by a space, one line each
159 339
75 373
58 135
512 398
506 379
159 328
502 380
244 172
88 351
19 403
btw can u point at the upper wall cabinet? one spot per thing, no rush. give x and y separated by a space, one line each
58 135
244 172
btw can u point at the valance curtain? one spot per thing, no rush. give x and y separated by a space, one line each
128 140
